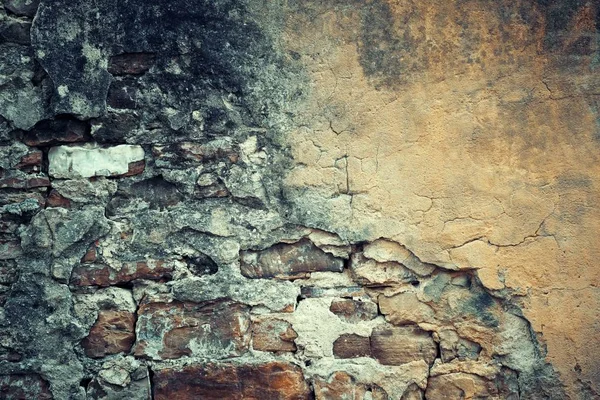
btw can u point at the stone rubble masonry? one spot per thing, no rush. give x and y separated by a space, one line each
299 200
69 162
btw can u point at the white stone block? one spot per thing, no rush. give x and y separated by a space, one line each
92 160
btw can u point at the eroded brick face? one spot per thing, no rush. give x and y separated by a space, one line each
104 275
24 386
172 330
271 334
270 381
396 346
289 261
112 333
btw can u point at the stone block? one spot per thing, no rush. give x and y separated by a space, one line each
272 334
269 381
400 345
71 162
289 261
58 131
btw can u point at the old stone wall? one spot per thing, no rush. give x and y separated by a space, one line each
281 199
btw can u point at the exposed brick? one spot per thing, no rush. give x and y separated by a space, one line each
31 162
270 381
24 387
176 329
55 199
130 63
342 386
400 345
112 333
405 308
103 275
352 346
58 131
136 168
273 334
24 183
91 254
354 310
289 261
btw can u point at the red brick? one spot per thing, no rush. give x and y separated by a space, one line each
191 154
31 162
211 329
103 275
112 333
24 183
136 168
91 254
270 381
55 199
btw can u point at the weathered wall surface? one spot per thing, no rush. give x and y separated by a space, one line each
299 199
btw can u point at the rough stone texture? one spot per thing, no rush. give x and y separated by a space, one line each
351 346
288 261
120 379
341 386
112 333
232 199
354 310
274 380
173 330
17 387
85 162
394 346
272 334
